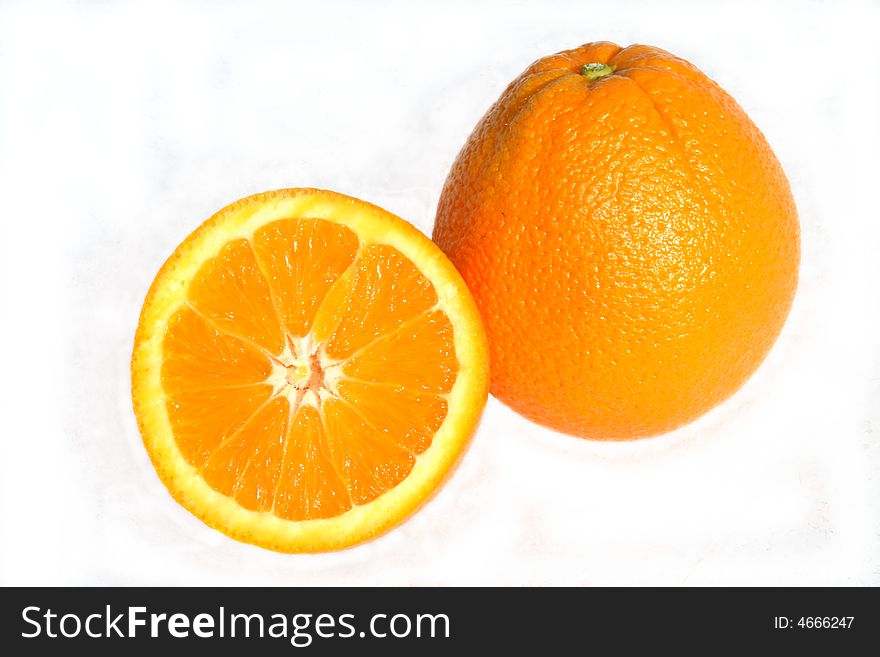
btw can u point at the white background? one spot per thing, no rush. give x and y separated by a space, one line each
124 125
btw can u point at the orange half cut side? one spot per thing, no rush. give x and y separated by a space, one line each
307 370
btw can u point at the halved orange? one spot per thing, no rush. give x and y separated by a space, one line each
307 370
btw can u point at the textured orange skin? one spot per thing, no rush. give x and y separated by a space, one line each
632 242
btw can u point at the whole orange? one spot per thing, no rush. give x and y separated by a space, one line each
629 236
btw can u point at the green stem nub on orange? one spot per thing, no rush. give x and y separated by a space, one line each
596 70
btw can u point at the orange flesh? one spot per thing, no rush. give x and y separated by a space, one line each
306 371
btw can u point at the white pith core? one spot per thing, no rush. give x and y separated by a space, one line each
304 374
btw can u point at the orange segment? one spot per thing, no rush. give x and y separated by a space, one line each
369 463
197 355
231 293
385 290
415 419
420 355
213 382
307 370
202 419
309 486
246 465
301 259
